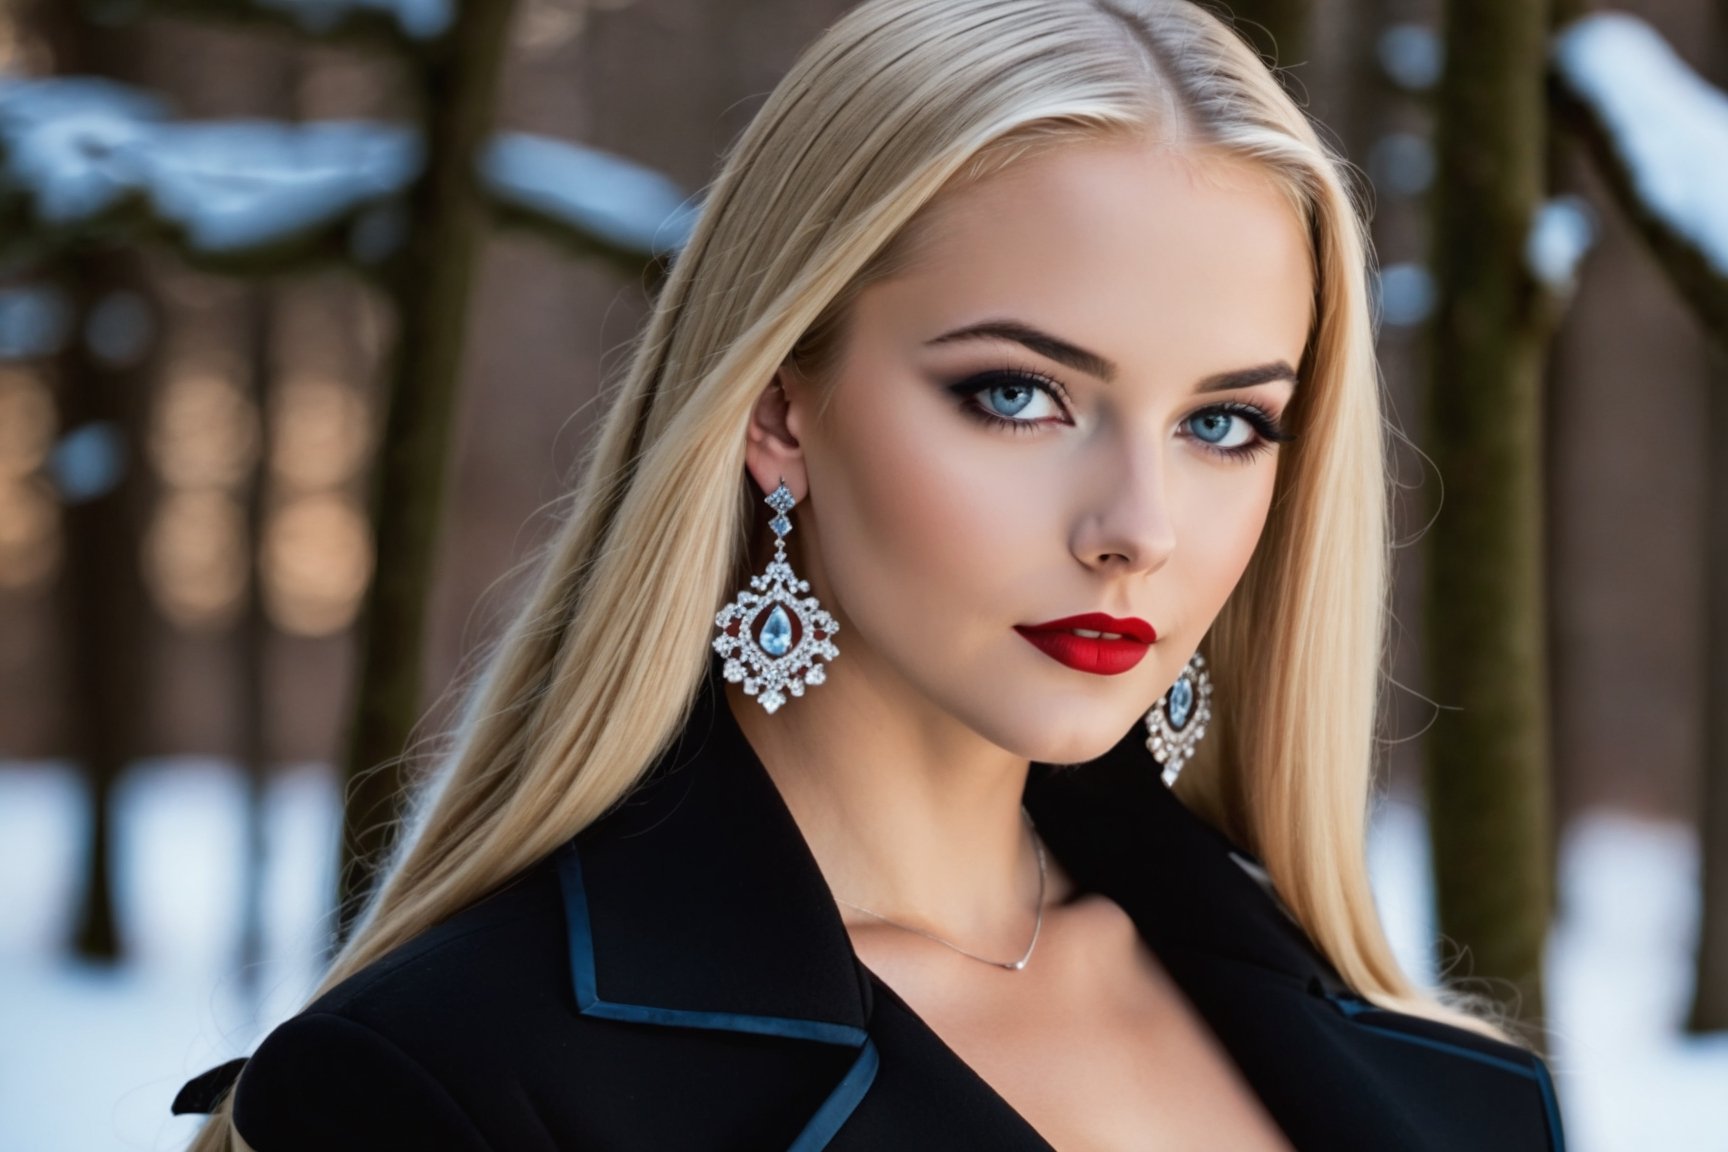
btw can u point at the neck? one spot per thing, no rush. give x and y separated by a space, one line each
906 810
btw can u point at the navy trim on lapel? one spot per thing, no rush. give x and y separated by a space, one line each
834 1110
696 903
1363 1012
1550 1107
840 1103
588 998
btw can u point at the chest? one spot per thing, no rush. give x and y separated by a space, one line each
1097 1048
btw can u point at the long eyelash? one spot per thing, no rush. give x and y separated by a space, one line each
973 385
1270 430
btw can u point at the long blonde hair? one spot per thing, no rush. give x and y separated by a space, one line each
898 100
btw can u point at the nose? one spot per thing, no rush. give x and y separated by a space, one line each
1128 529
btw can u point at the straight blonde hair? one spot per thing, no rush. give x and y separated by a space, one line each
897 101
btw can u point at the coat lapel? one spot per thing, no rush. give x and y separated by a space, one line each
696 903
1335 1071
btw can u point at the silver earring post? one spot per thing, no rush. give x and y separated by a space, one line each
1177 722
757 636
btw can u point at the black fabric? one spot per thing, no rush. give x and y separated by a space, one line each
698 899
204 1092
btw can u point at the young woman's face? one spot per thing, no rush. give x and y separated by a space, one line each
1062 407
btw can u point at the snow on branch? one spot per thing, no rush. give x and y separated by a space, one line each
82 153
587 194
1561 233
1660 136
244 184
401 24
418 19
58 138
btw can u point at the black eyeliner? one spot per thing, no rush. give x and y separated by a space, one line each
1269 429
972 385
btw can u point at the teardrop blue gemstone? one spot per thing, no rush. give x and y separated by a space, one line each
777 633
1181 705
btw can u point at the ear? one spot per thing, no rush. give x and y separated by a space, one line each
772 452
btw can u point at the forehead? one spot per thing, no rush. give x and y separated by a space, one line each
1149 253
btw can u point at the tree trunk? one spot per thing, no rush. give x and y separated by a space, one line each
429 282
1278 28
1704 289
1709 1011
1562 180
252 639
1487 776
106 611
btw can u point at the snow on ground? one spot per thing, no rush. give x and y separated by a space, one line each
90 1059
1618 976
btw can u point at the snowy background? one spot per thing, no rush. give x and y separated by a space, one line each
91 1058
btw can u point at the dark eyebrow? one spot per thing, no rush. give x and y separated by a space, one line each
1057 349
1248 377
1046 345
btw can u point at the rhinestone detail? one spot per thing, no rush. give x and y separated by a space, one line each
1177 722
763 649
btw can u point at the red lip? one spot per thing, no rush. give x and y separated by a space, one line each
1092 654
1130 627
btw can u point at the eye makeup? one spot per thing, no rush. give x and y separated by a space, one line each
1268 427
1007 380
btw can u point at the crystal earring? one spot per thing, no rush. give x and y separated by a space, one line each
1176 723
756 630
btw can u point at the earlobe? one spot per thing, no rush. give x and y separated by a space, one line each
772 452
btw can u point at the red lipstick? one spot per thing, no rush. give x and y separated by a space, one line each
1098 654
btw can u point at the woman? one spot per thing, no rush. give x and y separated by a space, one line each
847 822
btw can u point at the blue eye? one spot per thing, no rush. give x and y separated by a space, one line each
1214 427
1014 397
1235 430
1011 398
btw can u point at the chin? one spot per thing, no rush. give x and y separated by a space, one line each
1078 748
1061 737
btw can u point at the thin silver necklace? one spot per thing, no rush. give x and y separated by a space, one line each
1038 924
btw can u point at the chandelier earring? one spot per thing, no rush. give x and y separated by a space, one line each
771 635
1178 721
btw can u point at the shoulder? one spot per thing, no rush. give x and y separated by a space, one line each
325 1081
419 1048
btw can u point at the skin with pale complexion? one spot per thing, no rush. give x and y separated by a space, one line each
1068 402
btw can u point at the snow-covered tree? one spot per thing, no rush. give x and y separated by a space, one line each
1658 134
406 205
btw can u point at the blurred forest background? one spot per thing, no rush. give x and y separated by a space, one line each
305 311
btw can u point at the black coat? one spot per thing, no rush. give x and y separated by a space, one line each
677 976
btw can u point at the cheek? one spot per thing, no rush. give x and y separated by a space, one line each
1218 522
922 520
